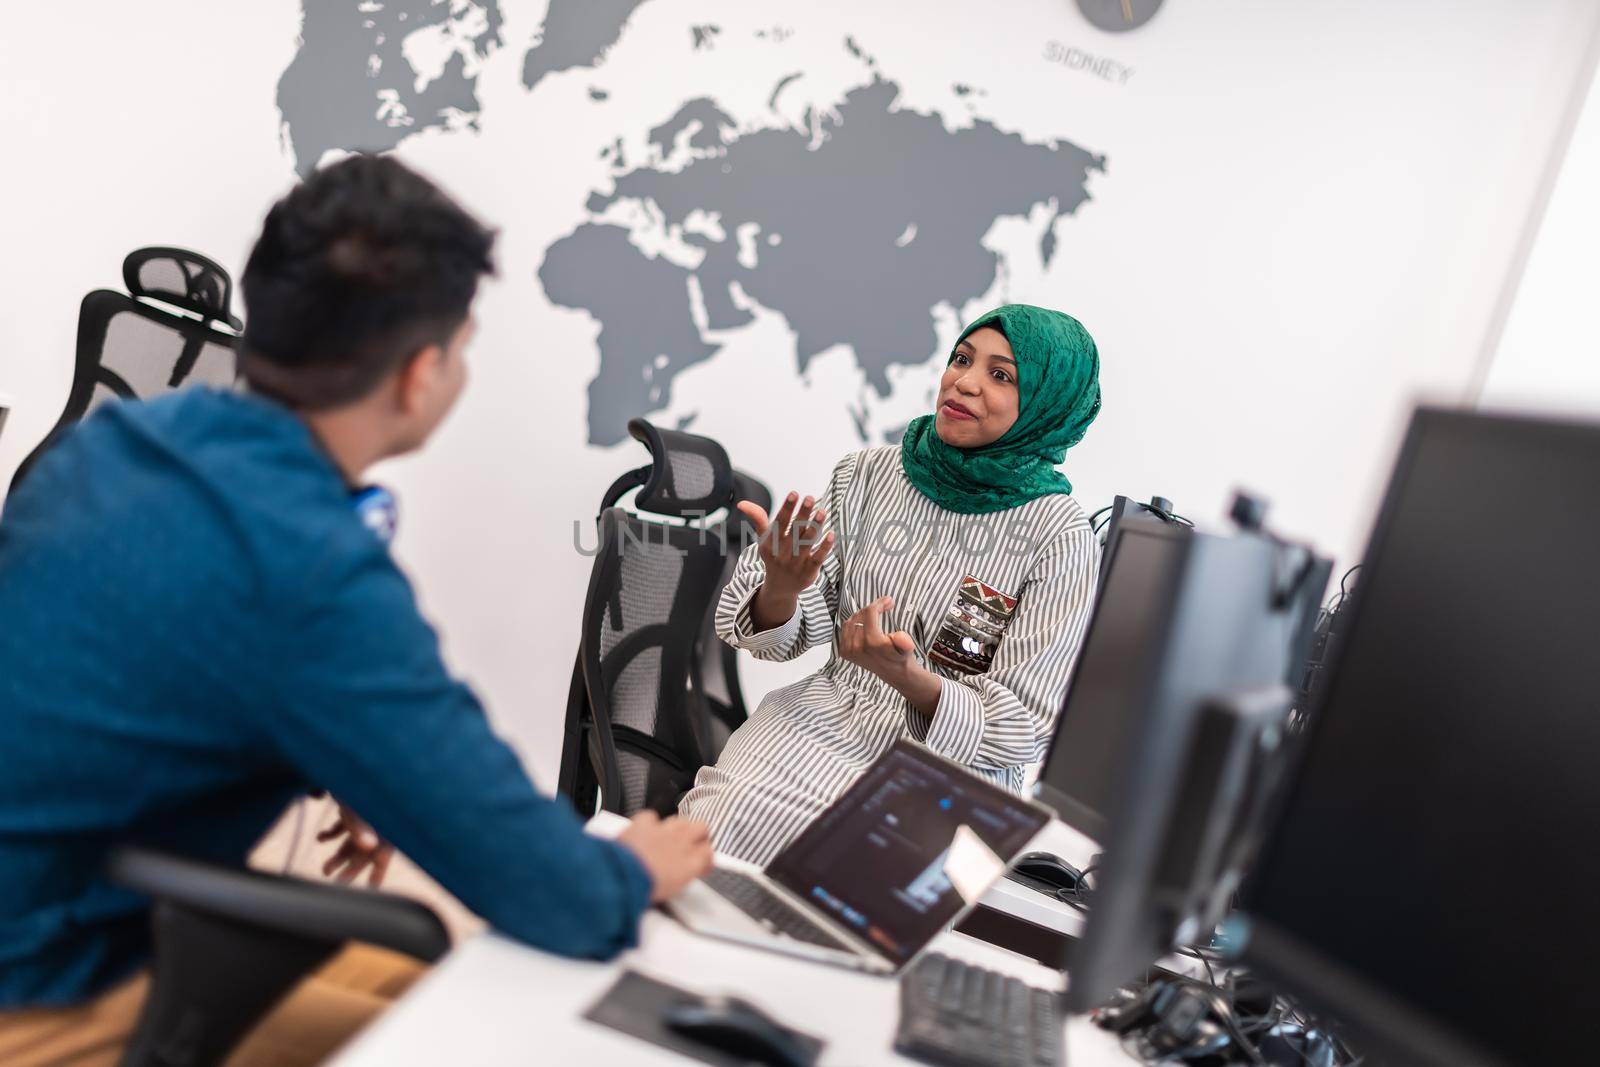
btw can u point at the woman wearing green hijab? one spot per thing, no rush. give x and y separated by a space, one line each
952 575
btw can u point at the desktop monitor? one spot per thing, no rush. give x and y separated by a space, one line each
1186 711
1430 882
1144 558
1143 562
1126 512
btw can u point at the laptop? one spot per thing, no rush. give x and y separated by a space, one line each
905 852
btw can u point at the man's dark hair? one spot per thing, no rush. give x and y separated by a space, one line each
357 268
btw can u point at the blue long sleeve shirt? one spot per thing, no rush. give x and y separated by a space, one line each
195 627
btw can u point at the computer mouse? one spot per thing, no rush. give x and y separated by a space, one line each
738 1028
1052 870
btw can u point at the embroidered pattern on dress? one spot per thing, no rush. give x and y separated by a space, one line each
973 627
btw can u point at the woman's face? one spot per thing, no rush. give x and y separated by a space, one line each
978 394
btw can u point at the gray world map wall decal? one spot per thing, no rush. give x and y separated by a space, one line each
853 222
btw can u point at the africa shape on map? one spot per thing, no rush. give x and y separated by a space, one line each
854 224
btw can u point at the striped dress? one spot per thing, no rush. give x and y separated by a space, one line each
808 741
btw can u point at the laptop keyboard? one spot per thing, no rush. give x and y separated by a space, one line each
766 907
954 1014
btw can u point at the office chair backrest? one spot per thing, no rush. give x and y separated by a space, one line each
640 719
718 661
230 943
171 328
693 471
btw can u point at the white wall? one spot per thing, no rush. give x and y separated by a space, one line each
1308 217
1548 359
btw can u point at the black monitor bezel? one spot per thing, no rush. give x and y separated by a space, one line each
1068 808
1378 1013
1122 923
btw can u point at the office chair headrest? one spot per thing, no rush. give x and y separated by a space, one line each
689 476
182 278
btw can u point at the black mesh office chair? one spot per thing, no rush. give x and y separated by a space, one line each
718 660
230 943
174 328
655 693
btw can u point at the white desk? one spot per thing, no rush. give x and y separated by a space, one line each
1015 899
493 1001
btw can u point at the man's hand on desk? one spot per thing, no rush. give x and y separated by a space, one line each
675 851
362 848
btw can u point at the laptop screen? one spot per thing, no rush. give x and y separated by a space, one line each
892 857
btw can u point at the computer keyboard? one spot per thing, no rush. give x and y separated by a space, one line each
766 907
954 1014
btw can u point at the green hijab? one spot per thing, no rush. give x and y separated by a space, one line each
1058 382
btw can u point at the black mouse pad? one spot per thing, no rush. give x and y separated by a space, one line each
637 1006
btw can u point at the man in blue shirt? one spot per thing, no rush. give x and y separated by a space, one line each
196 626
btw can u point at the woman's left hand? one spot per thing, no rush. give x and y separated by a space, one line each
892 656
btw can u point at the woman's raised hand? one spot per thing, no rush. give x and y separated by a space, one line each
790 546
792 552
